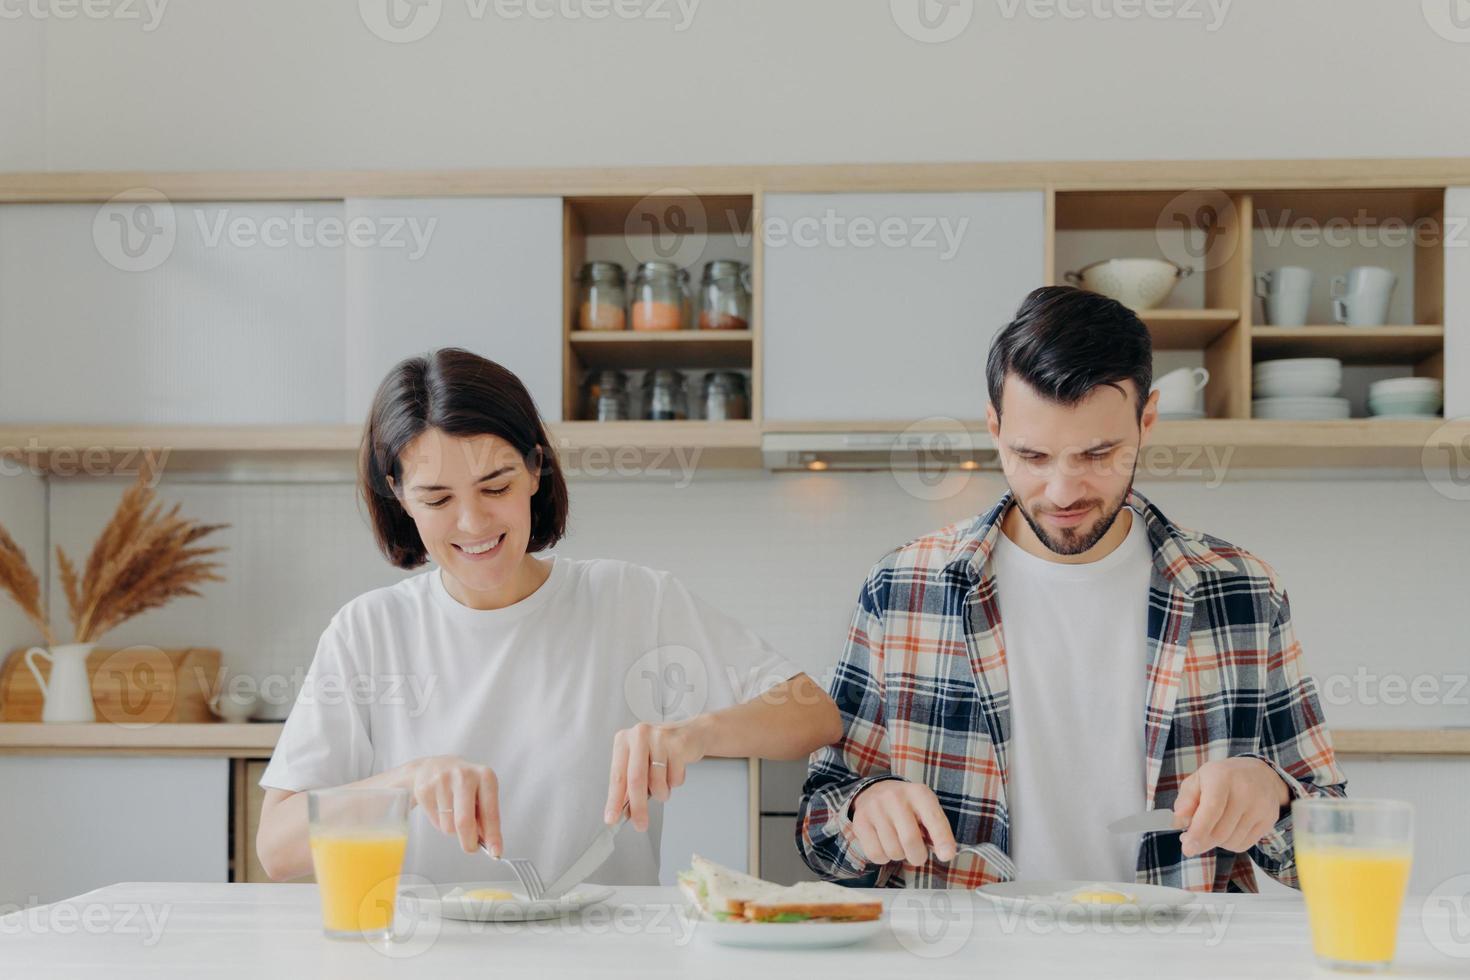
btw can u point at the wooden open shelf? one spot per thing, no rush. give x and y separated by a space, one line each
1351 345
625 349
664 221
1187 329
256 740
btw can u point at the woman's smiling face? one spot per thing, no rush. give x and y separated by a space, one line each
470 498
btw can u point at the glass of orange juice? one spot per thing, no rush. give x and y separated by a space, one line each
358 837
1353 858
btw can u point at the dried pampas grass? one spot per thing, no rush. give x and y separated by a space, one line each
20 583
144 558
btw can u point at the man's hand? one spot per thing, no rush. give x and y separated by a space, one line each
649 760
1229 803
892 819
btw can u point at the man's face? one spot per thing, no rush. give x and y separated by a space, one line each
1070 467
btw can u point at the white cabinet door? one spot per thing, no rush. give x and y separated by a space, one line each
71 824
1457 303
882 306
708 815
151 312
479 273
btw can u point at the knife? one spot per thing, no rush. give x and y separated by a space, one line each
1149 821
593 858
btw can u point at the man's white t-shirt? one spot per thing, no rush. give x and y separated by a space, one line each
535 691
1076 644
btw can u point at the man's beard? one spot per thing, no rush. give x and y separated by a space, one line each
1075 541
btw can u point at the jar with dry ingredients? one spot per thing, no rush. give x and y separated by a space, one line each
660 297
602 297
722 397
606 396
664 397
724 296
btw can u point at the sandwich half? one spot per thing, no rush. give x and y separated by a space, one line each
727 895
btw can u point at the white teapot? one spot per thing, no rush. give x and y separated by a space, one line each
67 696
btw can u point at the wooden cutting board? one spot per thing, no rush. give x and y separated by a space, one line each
139 685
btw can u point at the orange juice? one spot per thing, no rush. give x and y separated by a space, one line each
357 873
1354 895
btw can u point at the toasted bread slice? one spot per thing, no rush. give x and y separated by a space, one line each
813 900
725 894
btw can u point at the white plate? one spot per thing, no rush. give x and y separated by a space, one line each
785 935
1053 894
449 902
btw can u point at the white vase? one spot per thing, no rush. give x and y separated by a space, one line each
67 696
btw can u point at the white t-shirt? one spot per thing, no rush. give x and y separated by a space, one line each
535 691
1076 642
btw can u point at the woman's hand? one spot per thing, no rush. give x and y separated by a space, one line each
649 760
460 799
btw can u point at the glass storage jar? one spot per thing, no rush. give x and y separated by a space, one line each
660 297
606 396
602 297
724 296
664 397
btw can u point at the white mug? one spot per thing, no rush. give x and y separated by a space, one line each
1287 293
1361 298
1182 390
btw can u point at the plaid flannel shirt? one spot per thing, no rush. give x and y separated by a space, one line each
923 689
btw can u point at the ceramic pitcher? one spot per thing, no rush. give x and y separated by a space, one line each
67 696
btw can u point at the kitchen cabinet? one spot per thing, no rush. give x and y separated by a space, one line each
479 273
882 306
1457 303
159 313
74 823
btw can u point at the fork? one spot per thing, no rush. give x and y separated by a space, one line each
524 871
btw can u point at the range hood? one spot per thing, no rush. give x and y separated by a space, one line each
914 448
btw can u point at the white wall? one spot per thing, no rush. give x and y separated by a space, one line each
282 84
1375 569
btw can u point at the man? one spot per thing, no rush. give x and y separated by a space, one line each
1017 681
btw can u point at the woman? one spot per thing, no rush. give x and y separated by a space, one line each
520 699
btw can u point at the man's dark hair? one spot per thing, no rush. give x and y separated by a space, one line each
1064 342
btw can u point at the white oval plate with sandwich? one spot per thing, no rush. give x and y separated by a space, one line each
736 909
1097 897
787 935
460 901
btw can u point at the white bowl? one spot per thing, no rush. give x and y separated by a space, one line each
1298 364
1139 284
1297 386
1300 408
1407 386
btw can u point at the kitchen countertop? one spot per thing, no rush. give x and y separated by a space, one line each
255 740
163 930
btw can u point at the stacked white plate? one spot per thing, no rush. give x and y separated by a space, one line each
1405 398
1298 388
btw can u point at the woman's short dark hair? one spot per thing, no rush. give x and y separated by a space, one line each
461 394
1065 341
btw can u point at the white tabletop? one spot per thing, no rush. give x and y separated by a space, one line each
161 930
